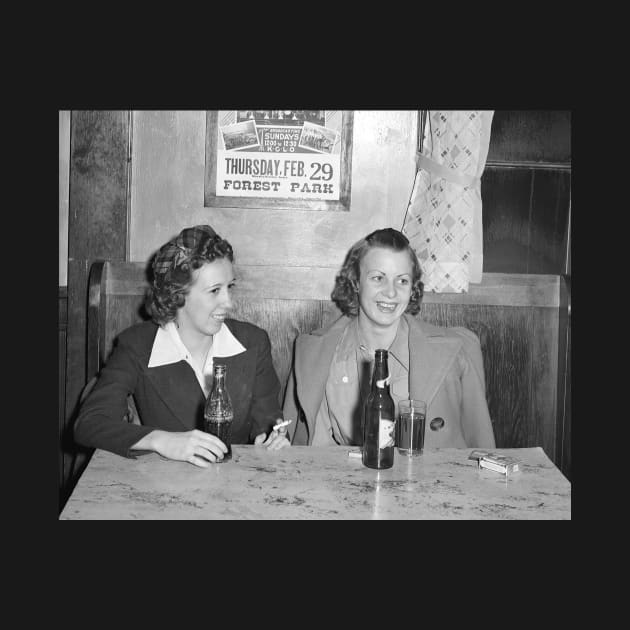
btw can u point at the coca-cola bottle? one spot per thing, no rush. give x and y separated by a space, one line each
218 412
379 419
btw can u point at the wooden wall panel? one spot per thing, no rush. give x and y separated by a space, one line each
543 378
520 343
563 432
549 218
283 320
97 222
97 228
531 135
64 181
121 312
526 192
525 219
64 460
75 355
506 195
564 419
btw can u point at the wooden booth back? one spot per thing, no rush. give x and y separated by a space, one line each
518 319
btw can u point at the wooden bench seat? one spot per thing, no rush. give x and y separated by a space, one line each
518 319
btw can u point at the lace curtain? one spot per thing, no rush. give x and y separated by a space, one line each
443 219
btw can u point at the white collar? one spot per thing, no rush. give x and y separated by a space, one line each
169 348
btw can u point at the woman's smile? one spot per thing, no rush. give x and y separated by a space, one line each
386 307
220 317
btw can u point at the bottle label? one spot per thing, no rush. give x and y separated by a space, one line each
385 433
219 417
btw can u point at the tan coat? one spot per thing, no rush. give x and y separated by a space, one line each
445 370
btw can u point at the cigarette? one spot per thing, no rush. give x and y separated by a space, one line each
286 423
355 454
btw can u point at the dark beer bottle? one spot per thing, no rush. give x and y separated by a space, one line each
379 419
218 412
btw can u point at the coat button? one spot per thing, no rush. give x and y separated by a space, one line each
436 424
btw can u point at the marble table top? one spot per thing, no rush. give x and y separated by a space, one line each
302 482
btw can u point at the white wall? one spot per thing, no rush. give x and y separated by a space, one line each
168 189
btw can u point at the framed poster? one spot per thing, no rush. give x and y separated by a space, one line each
283 159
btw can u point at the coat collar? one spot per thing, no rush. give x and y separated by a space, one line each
169 348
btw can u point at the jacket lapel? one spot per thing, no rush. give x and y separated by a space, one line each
177 386
311 378
431 354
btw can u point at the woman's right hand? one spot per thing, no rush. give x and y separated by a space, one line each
196 447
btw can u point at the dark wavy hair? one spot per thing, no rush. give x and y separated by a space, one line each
173 268
346 292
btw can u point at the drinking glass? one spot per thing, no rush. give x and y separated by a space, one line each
410 427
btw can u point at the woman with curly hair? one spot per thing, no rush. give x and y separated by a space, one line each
378 291
166 364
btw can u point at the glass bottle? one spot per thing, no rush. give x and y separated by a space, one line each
379 418
218 413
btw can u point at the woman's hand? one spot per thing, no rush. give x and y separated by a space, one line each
196 447
277 439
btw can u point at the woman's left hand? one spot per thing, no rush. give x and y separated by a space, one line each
277 439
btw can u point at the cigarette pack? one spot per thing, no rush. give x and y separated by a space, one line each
477 455
500 463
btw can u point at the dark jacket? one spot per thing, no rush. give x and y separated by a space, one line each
170 398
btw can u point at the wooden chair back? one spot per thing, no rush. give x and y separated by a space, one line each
518 318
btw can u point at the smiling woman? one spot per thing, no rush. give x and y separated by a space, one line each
208 301
384 293
379 290
166 364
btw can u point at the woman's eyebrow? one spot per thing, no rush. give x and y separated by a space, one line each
398 275
219 284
